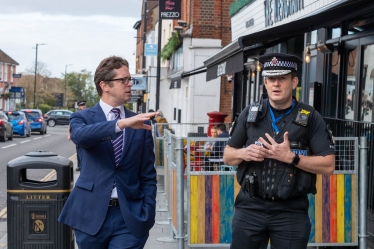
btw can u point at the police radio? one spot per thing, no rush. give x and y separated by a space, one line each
254 108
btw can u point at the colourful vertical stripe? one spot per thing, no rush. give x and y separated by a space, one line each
215 209
227 207
340 208
312 214
201 209
326 209
347 208
353 208
193 209
236 187
318 215
333 209
208 209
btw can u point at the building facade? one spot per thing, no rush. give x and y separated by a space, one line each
7 71
335 38
184 94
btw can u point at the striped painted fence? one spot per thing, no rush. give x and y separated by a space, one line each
332 211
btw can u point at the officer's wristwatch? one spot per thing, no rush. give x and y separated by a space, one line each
295 160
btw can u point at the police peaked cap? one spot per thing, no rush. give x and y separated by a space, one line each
80 103
277 64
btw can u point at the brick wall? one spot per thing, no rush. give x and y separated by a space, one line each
210 19
226 97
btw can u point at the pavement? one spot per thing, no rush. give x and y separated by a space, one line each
158 234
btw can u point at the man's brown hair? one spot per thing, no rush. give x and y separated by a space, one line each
104 71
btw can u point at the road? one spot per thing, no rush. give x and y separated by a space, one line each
54 141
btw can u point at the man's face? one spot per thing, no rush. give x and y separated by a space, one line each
279 90
82 107
119 93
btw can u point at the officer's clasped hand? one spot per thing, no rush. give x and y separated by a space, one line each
253 152
278 151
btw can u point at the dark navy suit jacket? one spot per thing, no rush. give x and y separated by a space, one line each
135 175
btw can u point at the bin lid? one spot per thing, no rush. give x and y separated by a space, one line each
41 153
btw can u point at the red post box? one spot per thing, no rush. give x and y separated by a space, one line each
214 118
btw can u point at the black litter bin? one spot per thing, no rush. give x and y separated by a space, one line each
34 205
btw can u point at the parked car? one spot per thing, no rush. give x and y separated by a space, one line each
36 119
6 128
58 117
21 125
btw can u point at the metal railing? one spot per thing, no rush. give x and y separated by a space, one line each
350 128
211 192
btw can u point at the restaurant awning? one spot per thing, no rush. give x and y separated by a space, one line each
176 79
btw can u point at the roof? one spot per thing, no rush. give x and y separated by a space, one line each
7 59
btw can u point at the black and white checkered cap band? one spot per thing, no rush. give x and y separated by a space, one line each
281 64
267 73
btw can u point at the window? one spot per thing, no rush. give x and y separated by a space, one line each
178 59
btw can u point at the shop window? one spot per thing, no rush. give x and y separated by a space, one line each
367 84
351 93
313 37
336 32
332 85
178 59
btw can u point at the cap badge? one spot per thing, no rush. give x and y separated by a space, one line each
274 60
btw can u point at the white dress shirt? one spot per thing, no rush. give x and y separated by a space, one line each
111 116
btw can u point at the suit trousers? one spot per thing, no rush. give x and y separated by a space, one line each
114 234
285 222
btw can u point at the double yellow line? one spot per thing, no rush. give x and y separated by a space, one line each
3 213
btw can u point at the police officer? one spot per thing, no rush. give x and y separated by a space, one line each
81 106
279 145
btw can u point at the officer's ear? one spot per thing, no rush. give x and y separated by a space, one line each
295 82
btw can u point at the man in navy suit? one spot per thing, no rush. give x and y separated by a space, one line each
113 202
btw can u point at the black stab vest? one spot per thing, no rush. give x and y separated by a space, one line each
275 179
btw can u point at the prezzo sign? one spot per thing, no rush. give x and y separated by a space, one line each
170 9
281 9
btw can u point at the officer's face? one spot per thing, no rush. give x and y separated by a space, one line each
279 90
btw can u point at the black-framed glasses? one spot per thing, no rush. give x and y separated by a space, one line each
124 80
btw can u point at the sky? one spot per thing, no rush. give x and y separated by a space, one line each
76 32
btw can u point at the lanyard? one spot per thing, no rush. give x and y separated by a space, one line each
275 120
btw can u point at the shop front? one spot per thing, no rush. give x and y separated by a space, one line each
335 40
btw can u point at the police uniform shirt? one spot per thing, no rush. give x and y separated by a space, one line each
319 139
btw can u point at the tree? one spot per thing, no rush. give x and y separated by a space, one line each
82 87
45 86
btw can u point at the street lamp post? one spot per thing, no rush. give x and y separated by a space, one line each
65 83
36 66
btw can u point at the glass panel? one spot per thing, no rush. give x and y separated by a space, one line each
333 85
336 32
313 37
367 83
350 84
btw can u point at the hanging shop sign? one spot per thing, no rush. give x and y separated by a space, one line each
281 9
170 9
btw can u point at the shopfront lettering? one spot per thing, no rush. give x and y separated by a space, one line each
249 23
170 9
169 14
221 69
282 9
